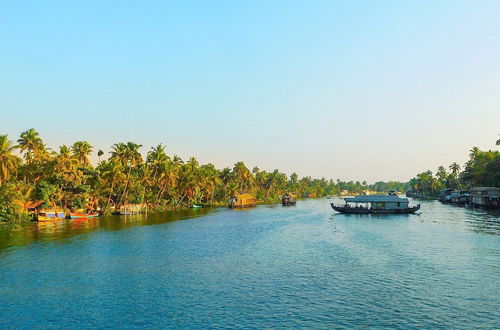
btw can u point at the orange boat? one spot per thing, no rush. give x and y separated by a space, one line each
83 215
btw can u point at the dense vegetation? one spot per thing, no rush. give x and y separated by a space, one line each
482 169
66 179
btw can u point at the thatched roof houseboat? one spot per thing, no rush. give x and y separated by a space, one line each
242 200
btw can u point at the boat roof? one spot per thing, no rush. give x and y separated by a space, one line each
485 188
375 199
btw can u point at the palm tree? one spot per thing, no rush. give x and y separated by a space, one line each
8 161
474 152
81 151
30 143
243 176
128 156
99 154
454 168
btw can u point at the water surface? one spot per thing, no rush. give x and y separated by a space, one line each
271 266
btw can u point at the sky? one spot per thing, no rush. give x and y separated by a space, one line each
355 90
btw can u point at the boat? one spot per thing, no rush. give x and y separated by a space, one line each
460 196
242 201
197 206
288 199
83 215
445 195
130 209
487 197
43 217
375 204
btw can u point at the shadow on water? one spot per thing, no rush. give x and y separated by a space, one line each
63 229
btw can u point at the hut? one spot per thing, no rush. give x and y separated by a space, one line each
242 200
288 199
485 196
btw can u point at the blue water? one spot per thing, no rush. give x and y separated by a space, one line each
268 267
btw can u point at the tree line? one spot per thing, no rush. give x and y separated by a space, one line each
482 169
66 179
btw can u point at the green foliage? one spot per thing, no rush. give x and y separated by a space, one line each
11 203
482 169
67 179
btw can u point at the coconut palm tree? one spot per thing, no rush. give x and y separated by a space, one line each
8 161
474 152
243 177
454 168
81 151
99 154
129 157
30 144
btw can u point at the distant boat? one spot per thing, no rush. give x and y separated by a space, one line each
376 204
242 201
83 215
130 209
288 199
197 206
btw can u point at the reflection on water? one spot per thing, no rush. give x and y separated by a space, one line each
61 229
475 219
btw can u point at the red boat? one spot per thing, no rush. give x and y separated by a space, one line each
83 215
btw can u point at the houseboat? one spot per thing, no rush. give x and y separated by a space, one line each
242 201
445 195
288 199
488 197
375 204
460 196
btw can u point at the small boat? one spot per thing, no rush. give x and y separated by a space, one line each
130 209
288 199
83 215
376 204
197 206
43 217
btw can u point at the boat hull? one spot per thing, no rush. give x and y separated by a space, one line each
83 215
242 206
353 210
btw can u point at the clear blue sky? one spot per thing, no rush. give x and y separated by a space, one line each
361 90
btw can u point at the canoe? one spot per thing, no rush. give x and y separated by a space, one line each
83 215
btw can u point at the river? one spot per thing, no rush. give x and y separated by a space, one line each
267 267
